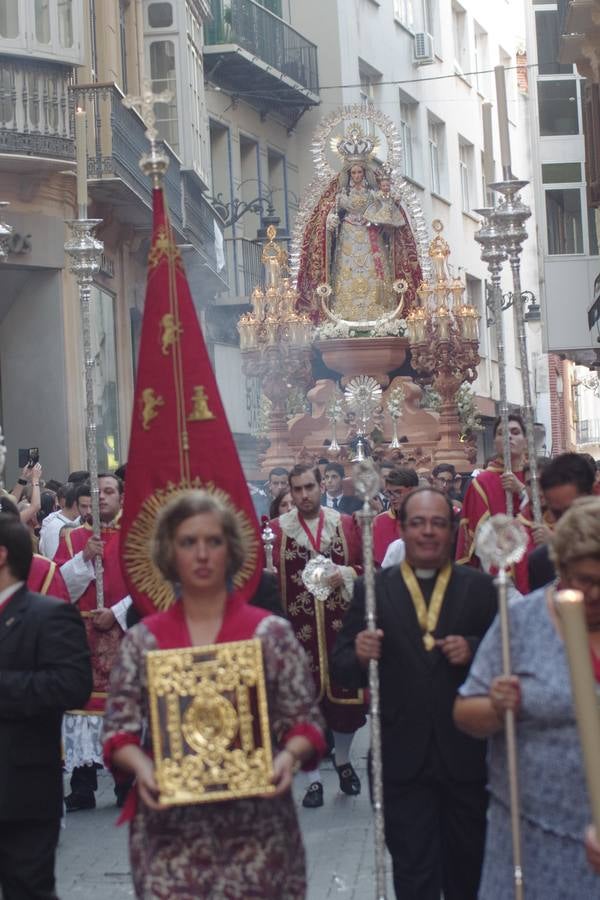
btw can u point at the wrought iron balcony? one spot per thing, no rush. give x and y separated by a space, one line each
244 267
35 115
588 431
253 53
116 141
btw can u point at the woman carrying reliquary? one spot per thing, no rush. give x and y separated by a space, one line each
238 848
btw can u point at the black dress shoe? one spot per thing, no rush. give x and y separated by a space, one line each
349 780
313 797
76 802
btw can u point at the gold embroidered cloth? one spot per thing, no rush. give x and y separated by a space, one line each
209 723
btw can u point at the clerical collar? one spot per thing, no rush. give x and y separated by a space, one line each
425 573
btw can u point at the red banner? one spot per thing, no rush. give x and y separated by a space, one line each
180 437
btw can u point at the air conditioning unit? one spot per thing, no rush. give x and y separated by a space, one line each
423 54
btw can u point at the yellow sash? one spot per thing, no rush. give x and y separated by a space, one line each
427 617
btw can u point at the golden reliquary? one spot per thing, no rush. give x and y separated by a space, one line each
210 723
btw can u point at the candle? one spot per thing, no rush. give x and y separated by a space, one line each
81 151
502 119
572 616
488 142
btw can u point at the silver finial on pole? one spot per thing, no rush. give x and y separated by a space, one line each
511 215
366 485
493 253
155 163
85 252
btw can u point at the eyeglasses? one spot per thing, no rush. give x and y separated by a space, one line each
583 582
444 480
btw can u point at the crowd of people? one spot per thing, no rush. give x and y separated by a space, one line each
74 693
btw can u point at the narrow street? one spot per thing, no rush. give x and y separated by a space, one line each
93 862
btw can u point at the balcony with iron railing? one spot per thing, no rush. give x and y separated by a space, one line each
243 266
251 52
35 114
116 142
588 431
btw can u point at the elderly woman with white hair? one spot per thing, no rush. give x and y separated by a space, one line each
243 848
554 805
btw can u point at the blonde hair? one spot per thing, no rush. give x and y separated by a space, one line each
184 506
577 534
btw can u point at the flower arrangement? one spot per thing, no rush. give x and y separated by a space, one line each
382 328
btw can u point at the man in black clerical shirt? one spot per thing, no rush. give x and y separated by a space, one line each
431 615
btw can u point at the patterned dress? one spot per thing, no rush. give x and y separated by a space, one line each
554 804
233 850
362 276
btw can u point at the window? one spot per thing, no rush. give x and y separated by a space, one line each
160 15
569 229
557 102
369 78
163 75
104 353
563 220
429 17
405 13
123 44
481 60
465 169
9 19
461 37
277 184
436 138
65 23
561 173
42 21
547 30
408 132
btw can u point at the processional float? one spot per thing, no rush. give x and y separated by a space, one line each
327 326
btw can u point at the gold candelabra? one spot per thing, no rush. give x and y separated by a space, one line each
275 342
443 331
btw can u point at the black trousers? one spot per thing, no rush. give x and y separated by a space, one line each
435 832
27 853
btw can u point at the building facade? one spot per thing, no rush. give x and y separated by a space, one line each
55 57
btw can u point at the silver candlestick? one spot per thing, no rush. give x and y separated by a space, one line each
366 484
490 237
85 252
268 539
511 215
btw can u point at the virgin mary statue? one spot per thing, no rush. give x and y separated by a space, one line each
357 239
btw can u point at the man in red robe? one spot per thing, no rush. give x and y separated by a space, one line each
386 526
307 531
76 553
486 496
44 575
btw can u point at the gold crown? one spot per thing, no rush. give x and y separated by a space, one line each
355 146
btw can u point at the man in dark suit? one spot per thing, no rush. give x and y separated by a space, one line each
431 616
334 496
44 670
562 480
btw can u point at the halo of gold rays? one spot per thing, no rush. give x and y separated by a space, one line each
137 549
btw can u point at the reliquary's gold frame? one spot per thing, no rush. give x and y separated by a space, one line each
210 723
